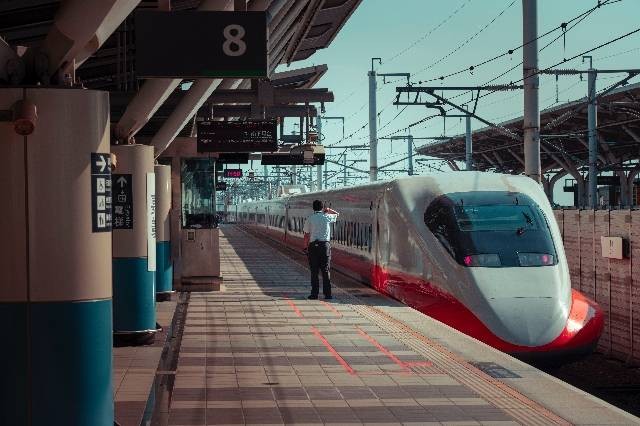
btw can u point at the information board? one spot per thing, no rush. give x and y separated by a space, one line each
122 201
197 44
232 158
221 186
100 192
151 222
237 136
233 173
291 160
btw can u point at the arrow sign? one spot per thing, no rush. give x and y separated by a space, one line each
102 163
122 181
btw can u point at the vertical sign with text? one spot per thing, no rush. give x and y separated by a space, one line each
100 192
122 201
151 221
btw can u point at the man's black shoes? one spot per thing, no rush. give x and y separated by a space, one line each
312 297
328 297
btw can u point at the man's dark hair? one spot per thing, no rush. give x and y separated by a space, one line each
317 205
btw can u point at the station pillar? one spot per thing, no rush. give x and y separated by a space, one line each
164 263
134 247
55 250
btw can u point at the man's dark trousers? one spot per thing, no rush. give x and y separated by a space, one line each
320 261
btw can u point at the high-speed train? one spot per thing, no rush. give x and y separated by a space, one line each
480 252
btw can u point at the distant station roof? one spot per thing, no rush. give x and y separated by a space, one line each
563 132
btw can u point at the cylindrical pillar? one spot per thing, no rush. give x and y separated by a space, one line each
55 269
410 154
164 264
134 293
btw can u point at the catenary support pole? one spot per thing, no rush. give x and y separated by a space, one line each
531 82
592 119
373 126
344 169
319 167
469 144
410 154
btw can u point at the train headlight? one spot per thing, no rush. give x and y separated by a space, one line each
486 260
536 259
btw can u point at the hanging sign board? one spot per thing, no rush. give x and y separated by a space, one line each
237 136
122 201
200 44
292 160
101 192
221 186
233 158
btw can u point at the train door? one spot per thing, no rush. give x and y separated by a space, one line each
381 240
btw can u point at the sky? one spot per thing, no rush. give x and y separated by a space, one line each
430 38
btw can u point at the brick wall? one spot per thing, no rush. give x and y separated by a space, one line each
613 283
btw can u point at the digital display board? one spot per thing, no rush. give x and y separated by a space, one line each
233 173
237 136
221 186
233 158
201 44
291 160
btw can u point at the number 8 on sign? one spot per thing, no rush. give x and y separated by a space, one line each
235 40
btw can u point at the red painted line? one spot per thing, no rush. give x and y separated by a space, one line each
294 307
330 307
384 350
331 349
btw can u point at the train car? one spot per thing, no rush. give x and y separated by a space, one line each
480 252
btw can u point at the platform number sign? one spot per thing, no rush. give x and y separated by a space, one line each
100 192
199 44
122 201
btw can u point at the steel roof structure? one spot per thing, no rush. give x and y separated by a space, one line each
563 134
297 29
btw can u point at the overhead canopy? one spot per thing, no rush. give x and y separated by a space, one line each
563 132
298 28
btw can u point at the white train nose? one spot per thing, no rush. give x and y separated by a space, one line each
527 321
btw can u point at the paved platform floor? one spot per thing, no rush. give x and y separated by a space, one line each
134 371
259 352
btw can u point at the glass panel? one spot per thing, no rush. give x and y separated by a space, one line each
198 193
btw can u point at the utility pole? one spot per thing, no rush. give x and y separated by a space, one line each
373 125
294 177
344 169
373 116
410 153
592 120
319 167
531 82
266 183
468 144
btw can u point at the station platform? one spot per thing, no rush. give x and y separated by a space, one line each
259 352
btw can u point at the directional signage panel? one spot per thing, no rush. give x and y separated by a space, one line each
101 192
196 44
237 136
221 186
122 201
233 158
233 173
291 160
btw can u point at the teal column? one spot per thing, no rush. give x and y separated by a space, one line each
55 267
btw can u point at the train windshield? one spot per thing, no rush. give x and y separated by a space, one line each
496 218
492 229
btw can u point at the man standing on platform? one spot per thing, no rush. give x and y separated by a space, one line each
317 237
